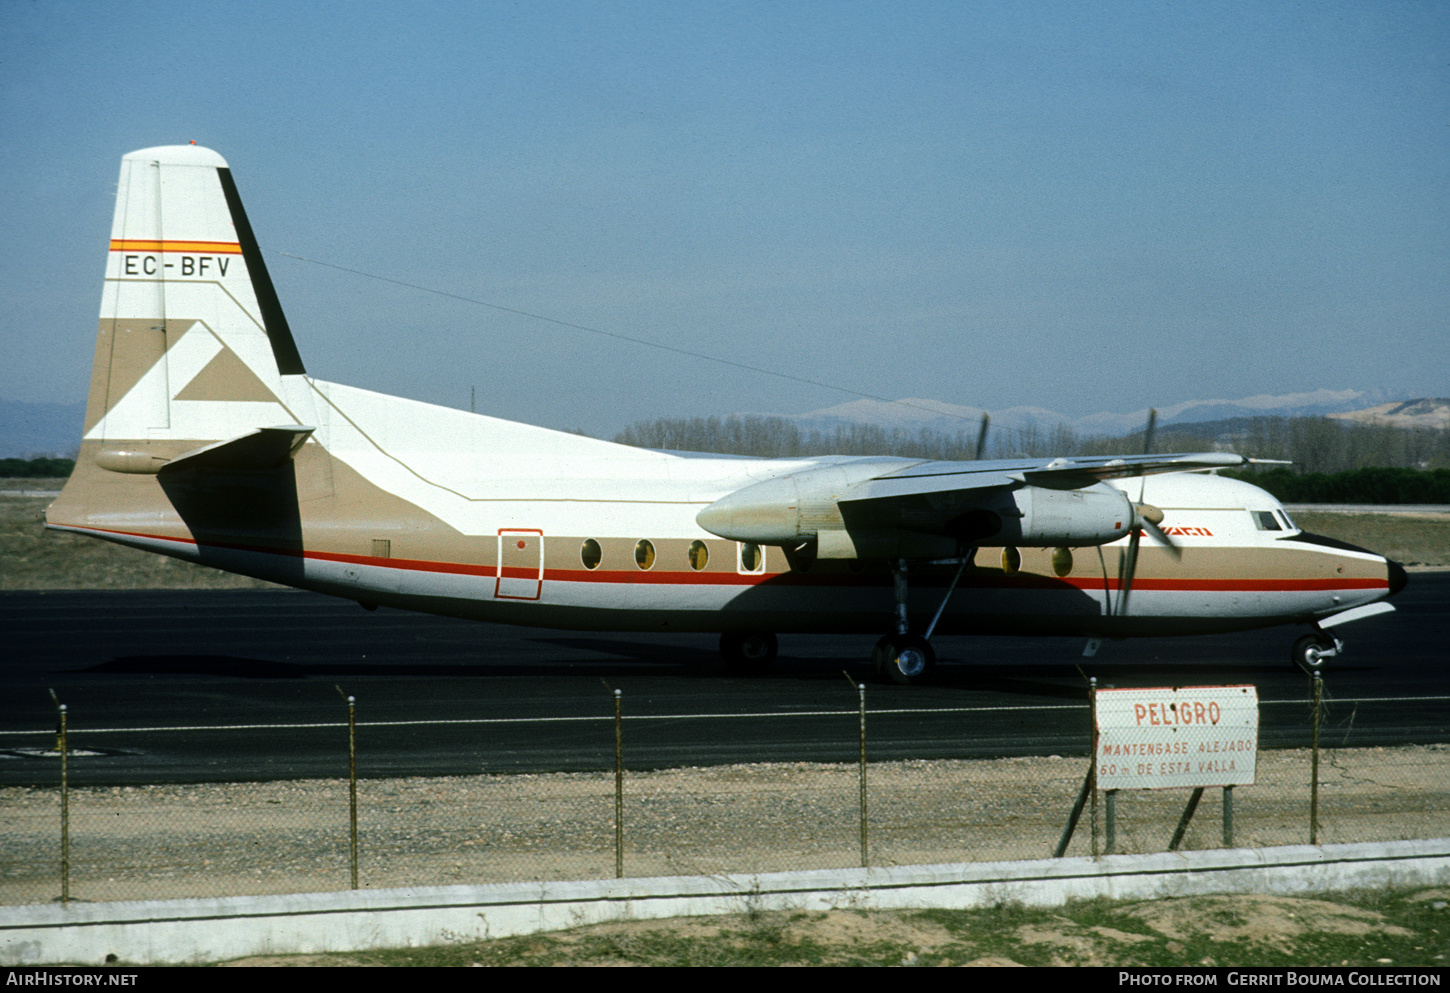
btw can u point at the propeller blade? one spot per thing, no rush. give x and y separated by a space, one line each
982 436
1150 519
1148 431
1158 533
1145 516
1128 567
1147 450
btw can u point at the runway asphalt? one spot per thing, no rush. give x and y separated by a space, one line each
256 678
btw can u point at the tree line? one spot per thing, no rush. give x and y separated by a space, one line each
1373 486
1334 462
1321 444
1313 444
43 468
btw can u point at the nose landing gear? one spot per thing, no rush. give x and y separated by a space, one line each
1310 651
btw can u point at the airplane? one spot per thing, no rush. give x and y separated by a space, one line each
206 439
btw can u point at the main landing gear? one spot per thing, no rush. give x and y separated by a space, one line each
905 657
902 658
751 651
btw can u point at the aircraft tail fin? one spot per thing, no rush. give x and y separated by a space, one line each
193 346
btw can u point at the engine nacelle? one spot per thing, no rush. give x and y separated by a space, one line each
1038 517
790 509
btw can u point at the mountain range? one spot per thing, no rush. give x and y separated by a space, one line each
1429 412
912 415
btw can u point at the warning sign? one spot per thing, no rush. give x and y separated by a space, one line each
1177 736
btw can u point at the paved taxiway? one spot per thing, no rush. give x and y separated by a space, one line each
209 659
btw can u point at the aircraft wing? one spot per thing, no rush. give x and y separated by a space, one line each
925 509
1056 474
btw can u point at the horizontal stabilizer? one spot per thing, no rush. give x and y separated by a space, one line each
265 448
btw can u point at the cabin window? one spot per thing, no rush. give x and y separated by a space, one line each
1062 561
644 553
699 555
1011 561
1264 520
590 554
752 558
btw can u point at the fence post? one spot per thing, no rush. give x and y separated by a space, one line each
62 746
351 781
1228 817
865 860
1093 758
618 786
1110 805
1314 765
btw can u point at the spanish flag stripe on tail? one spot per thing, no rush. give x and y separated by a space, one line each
205 247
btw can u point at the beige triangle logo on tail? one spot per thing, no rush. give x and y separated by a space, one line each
226 377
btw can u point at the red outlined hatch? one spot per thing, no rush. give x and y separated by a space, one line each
520 564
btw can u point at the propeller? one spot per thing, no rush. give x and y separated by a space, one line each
982 436
1146 517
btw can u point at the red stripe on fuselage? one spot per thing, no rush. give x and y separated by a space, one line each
673 578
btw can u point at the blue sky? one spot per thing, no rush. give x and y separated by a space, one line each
1083 207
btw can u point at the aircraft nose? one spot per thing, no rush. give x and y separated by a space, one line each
1398 576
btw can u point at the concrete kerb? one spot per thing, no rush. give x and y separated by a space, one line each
179 931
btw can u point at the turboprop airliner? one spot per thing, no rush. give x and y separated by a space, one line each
206 439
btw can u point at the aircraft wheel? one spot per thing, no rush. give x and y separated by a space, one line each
908 659
750 652
879 655
1308 652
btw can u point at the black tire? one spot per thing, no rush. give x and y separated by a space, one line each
1306 652
909 659
752 651
879 655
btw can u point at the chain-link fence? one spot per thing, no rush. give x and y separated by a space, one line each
94 843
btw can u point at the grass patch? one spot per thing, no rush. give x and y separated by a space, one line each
1359 928
32 558
1406 538
770 939
1406 928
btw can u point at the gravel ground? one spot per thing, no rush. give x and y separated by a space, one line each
130 843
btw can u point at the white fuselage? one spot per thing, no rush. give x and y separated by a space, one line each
521 505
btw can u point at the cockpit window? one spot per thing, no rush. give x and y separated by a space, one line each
1265 520
1288 521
